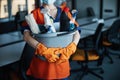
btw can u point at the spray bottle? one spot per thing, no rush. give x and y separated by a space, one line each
74 14
48 21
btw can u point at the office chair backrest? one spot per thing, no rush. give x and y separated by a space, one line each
98 36
114 32
20 16
90 12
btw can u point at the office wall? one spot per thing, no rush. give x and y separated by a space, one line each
69 3
109 8
82 5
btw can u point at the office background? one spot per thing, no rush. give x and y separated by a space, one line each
12 44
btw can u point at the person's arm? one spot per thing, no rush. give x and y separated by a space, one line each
27 32
76 37
29 39
70 49
67 11
71 18
49 53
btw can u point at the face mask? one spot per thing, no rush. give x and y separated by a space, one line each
48 1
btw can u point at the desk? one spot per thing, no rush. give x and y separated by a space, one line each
12 53
11 37
88 30
86 33
90 27
93 26
11 47
86 20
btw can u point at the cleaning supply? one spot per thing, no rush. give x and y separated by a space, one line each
74 13
64 22
32 23
48 21
72 25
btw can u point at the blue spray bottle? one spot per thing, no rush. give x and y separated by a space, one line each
74 14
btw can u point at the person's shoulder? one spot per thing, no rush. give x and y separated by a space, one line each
38 9
66 9
35 10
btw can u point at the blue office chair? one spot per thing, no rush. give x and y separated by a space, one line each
112 40
19 18
90 50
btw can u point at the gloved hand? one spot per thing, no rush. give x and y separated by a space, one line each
40 49
66 52
49 53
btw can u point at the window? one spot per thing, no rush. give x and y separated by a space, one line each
18 5
31 5
5 8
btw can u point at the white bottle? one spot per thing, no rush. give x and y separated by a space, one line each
32 23
48 21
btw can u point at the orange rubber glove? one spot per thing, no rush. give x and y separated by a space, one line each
66 52
49 53
40 49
